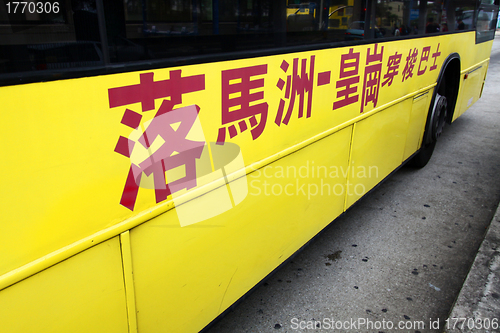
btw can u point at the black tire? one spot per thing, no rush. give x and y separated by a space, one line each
423 156
439 112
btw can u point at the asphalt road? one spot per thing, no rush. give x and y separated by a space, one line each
400 255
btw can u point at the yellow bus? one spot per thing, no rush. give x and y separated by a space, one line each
161 157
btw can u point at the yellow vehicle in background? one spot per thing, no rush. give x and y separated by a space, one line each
307 16
339 16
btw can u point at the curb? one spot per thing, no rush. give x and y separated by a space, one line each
477 307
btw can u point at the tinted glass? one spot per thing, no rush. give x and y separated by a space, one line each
172 28
403 18
36 36
486 23
73 34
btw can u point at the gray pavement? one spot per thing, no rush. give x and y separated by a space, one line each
478 305
402 254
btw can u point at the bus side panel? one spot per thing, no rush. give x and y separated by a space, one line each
186 276
71 144
378 145
418 116
84 293
473 65
472 84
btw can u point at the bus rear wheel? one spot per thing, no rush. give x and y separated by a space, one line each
439 113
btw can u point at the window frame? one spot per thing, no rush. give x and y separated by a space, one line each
489 7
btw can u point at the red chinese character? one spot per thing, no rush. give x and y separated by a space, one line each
296 85
410 63
435 56
392 68
371 82
238 82
349 66
425 57
147 91
174 149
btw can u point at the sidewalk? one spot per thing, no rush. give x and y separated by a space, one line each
480 294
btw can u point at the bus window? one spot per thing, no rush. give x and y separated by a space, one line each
402 18
434 21
398 18
340 20
486 23
302 16
93 33
168 28
457 15
64 34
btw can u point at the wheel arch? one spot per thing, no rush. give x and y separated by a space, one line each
448 85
